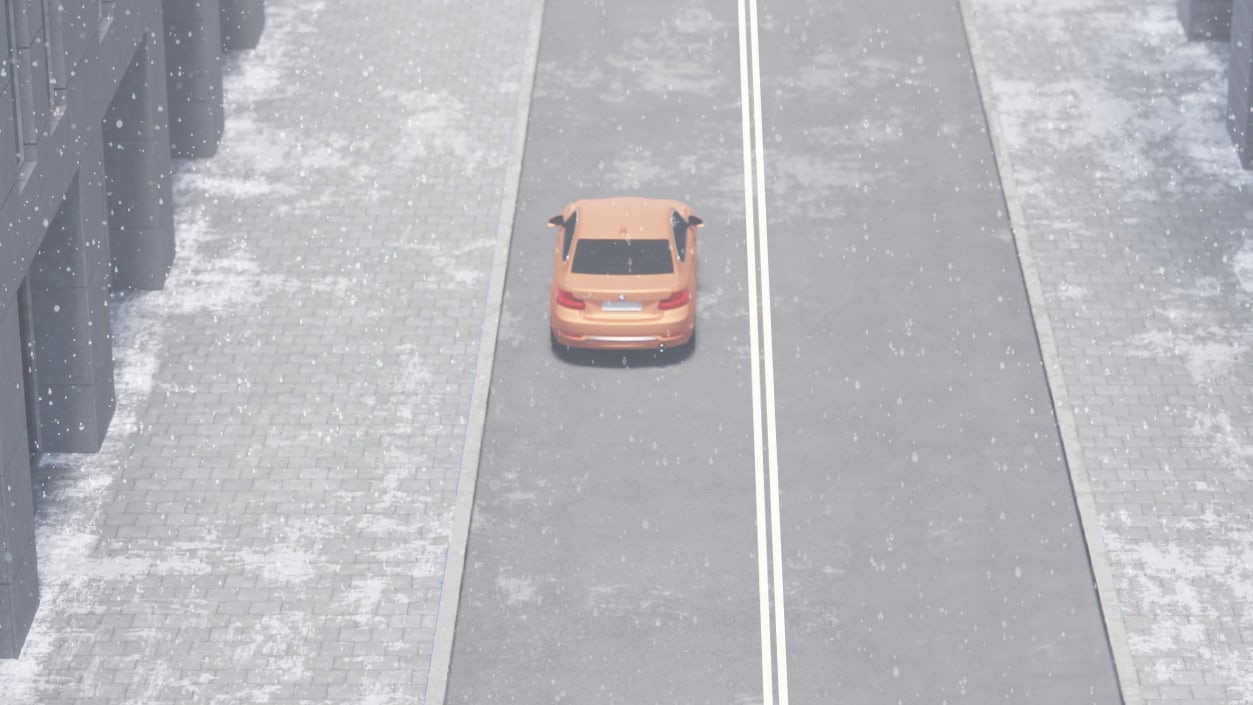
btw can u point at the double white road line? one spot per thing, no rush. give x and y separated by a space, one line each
766 457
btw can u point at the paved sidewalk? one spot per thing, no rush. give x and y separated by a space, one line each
1138 216
268 519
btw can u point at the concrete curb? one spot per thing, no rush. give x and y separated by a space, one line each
1089 521
454 567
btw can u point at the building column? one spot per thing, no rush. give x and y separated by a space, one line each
193 57
137 165
72 350
19 581
1205 19
1240 81
242 22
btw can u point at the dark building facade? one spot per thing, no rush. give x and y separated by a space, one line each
95 98
1240 80
1230 21
1205 19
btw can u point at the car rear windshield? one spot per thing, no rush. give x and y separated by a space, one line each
623 257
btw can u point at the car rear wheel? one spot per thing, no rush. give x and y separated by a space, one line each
558 347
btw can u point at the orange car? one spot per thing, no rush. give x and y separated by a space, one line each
624 274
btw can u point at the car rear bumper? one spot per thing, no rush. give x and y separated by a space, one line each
673 329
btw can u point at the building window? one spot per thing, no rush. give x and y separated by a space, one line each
54 51
10 69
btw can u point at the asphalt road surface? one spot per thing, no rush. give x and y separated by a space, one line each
925 546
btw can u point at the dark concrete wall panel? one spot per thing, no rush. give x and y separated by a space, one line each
8 147
19 591
28 21
242 23
1205 19
193 57
61 318
12 402
10 144
1239 83
138 184
19 601
57 154
55 39
8 127
131 114
78 20
70 419
86 99
34 91
69 295
75 395
196 127
17 521
4 39
60 262
136 264
93 214
134 195
75 374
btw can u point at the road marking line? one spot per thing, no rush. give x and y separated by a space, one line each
765 464
768 348
763 584
763 570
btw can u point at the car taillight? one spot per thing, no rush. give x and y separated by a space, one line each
674 300
569 300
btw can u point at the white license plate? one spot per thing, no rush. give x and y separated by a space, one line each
621 306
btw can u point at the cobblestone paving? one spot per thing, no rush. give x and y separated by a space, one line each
268 519
1137 211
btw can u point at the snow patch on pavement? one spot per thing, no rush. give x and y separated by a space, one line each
518 590
1242 267
1207 359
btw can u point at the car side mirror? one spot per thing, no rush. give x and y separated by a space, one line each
556 221
695 222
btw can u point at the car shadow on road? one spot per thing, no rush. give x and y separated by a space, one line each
620 359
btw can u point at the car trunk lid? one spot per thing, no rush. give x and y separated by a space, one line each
622 295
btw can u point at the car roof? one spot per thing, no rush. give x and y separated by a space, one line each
626 216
